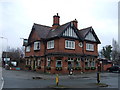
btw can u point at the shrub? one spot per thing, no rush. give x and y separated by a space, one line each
93 68
28 66
71 68
78 68
87 68
58 68
48 68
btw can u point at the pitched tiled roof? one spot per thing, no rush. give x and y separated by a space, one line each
83 32
56 32
47 32
41 30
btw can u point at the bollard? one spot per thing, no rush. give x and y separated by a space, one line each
98 77
57 79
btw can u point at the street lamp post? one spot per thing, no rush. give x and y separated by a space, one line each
6 49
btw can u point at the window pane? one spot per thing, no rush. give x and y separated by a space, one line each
50 44
58 63
70 44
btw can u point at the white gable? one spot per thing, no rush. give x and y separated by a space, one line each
90 37
70 32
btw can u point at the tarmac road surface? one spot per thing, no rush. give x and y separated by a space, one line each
24 79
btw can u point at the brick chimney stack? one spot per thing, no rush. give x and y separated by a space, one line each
56 21
75 23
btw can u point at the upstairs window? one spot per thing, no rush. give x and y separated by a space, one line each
50 44
28 49
69 44
89 47
37 45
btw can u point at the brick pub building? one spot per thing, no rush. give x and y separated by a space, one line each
58 48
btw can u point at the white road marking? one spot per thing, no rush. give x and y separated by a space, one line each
2 83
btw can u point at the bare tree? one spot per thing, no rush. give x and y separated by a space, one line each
16 53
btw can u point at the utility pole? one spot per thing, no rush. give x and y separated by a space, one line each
6 48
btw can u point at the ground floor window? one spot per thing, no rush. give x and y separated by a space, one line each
93 63
87 63
70 62
29 63
78 62
35 63
58 63
39 62
48 62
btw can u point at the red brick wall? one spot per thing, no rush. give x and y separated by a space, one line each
32 52
106 66
60 46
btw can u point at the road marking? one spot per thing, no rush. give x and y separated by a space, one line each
2 83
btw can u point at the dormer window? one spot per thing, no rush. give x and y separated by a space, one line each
37 45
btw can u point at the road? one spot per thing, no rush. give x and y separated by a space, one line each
23 79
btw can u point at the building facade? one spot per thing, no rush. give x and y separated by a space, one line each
59 48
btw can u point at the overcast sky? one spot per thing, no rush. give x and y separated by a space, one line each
18 16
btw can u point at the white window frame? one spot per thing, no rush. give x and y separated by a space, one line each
50 44
26 62
88 62
37 45
28 49
57 63
93 63
79 61
69 44
48 61
89 47
39 62
72 62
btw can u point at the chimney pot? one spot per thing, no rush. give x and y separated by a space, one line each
56 21
75 23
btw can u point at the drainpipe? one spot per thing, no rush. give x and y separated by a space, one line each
44 42
83 57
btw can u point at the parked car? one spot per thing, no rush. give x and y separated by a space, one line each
114 69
